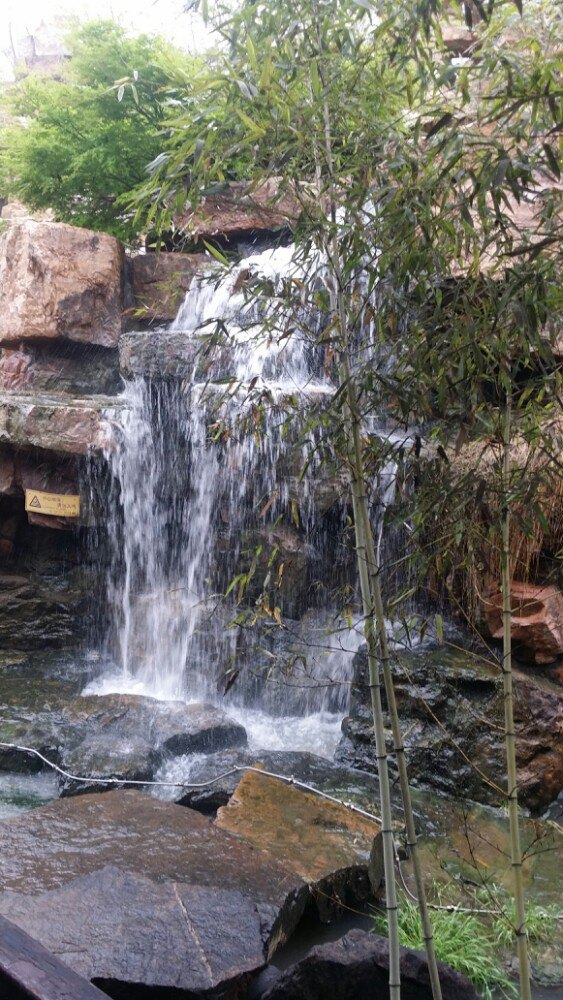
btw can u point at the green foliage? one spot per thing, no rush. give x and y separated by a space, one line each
462 940
81 143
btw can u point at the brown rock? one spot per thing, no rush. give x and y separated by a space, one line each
536 622
337 851
159 282
59 281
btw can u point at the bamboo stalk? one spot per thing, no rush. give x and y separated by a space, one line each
399 749
510 735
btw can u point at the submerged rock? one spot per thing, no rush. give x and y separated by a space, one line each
452 708
135 893
357 967
126 737
337 851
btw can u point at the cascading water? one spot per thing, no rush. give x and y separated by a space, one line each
206 471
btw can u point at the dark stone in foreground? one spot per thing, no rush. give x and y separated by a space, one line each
132 892
29 972
357 968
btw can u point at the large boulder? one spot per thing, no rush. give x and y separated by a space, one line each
59 281
536 622
357 967
452 709
335 849
139 895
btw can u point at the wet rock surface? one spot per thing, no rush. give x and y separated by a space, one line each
159 281
128 890
54 423
357 967
43 613
317 771
109 736
60 281
337 851
74 369
440 690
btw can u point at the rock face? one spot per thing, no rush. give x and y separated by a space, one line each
59 281
42 614
159 282
53 423
337 851
452 709
157 354
536 621
357 966
240 209
130 892
70 368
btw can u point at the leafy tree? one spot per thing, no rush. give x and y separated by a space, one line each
78 150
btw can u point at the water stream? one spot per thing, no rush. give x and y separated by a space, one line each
213 479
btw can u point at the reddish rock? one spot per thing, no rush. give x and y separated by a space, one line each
536 622
239 209
52 423
14 369
159 282
59 281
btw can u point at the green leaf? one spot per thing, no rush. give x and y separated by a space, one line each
439 628
216 253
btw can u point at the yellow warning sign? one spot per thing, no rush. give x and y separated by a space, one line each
55 504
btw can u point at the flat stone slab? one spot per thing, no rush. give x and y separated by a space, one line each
55 423
129 890
336 850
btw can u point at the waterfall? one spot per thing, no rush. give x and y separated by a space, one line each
209 478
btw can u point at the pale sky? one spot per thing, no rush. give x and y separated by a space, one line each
165 17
